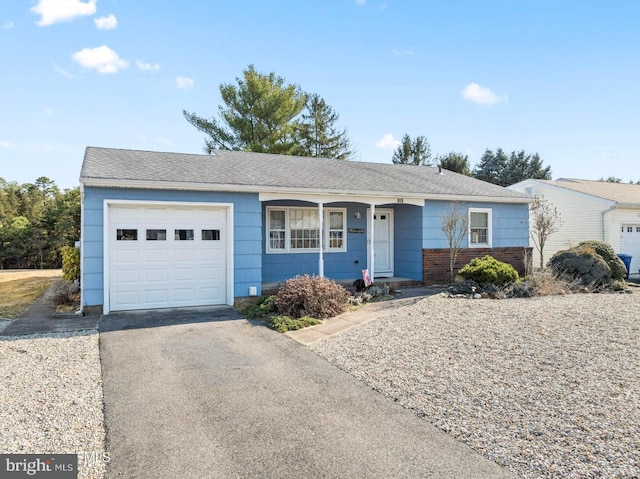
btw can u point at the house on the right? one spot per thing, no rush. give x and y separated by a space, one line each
590 210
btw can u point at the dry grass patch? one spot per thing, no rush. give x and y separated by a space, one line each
20 288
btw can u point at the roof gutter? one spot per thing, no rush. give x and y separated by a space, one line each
173 185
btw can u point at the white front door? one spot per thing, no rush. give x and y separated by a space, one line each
382 242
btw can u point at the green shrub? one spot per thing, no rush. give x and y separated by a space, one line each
283 323
489 270
313 296
263 307
70 263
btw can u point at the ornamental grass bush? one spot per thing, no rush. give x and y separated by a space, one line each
312 296
488 270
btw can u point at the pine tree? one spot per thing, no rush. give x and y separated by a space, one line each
413 152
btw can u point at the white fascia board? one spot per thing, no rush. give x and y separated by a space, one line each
335 198
388 197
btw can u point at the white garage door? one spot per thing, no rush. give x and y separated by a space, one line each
163 257
630 244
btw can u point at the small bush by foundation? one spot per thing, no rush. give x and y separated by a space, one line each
313 296
489 270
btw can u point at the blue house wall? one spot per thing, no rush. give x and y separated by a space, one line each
278 267
247 217
510 223
408 241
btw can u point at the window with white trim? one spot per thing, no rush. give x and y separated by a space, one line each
480 227
297 230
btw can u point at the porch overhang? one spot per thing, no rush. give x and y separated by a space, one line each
339 198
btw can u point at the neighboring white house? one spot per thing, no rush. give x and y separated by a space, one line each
590 210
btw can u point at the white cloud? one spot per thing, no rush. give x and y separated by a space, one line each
481 95
106 23
184 83
5 144
388 142
403 52
102 59
47 110
147 67
54 11
360 2
7 26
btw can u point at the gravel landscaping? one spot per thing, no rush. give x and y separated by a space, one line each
51 397
546 387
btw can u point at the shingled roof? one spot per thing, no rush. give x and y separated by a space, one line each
621 193
259 172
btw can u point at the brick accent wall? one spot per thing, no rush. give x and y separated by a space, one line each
435 262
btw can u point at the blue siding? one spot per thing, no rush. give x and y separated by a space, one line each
279 267
248 235
510 223
408 242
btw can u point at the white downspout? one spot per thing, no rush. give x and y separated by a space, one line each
320 256
371 265
602 215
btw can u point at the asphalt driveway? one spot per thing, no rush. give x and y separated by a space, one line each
227 397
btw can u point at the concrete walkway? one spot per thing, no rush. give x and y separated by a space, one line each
41 317
364 314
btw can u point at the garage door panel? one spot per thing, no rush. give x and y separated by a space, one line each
182 254
184 295
212 294
155 255
156 297
157 270
127 298
212 273
124 276
126 256
184 274
158 275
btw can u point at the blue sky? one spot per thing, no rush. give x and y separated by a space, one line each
560 78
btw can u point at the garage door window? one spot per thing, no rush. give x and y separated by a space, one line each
210 235
126 235
156 235
183 235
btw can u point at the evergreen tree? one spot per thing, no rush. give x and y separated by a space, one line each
36 220
491 166
318 135
413 152
503 170
259 115
455 162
